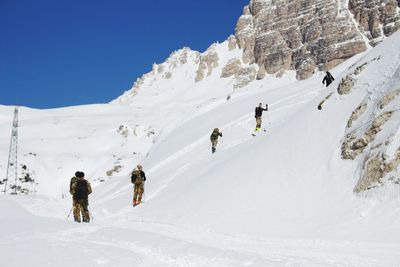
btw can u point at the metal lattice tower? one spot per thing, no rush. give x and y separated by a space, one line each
12 167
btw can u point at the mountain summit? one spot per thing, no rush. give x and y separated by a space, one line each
276 37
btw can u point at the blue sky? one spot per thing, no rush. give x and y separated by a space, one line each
56 53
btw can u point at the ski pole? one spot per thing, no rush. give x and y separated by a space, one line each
144 192
69 214
90 215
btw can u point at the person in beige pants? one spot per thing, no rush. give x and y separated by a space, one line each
214 139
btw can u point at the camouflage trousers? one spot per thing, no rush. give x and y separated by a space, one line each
80 207
138 193
214 143
258 122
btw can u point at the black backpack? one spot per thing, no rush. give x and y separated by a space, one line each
81 189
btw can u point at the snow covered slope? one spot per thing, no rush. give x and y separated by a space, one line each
283 198
53 144
290 182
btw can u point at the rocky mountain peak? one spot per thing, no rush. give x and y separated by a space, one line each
298 35
275 36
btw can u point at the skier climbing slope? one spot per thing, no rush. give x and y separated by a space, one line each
258 115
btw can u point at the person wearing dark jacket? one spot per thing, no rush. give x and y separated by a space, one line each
258 115
214 139
328 79
138 178
80 189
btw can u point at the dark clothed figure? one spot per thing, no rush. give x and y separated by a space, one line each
328 79
258 115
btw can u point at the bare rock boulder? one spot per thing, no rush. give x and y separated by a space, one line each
232 68
244 77
375 170
345 85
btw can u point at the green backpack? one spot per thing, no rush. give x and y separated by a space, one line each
72 185
136 177
214 135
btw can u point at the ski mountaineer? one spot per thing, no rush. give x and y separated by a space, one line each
138 178
258 115
214 139
328 79
80 190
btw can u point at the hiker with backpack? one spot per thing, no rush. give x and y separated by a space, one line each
258 115
214 139
138 178
80 190
328 79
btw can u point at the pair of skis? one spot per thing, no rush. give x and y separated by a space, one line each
258 130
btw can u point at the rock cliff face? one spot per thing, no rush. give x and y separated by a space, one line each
373 129
376 18
300 35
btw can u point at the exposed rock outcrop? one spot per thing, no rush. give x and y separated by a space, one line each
347 82
389 97
208 61
168 75
244 77
376 18
245 35
299 35
357 113
124 130
306 69
373 128
353 147
374 171
345 85
115 169
232 43
232 68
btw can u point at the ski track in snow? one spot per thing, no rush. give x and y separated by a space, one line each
208 249
244 122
